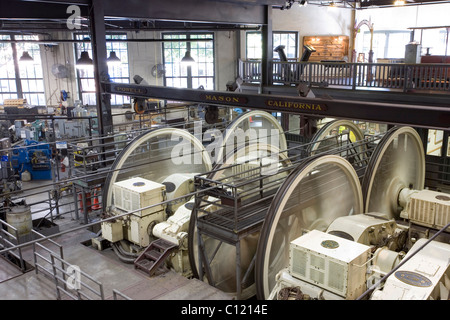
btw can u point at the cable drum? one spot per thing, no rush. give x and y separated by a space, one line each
223 259
398 162
313 195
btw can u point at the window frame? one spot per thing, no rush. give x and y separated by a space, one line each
296 48
189 75
387 34
35 51
116 100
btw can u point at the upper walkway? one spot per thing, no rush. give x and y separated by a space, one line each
399 76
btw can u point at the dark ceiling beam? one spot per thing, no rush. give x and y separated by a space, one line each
240 12
67 3
14 9
187 10
422 116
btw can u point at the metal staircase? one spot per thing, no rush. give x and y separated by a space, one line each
154 256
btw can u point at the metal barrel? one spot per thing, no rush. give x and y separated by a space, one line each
20 218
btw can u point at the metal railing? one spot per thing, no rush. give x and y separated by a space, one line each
43 263
401 76
234 206
117 294
73 281
9 238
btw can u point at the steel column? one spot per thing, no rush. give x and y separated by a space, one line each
267 49
99 53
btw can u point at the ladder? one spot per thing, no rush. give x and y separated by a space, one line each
154 256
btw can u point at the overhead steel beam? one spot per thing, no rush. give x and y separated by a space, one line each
431 117
187 10
437 98
174 10
26 10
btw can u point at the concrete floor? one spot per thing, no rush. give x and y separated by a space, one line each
104 266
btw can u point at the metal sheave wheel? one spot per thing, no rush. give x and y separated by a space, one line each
398 162
221 254
150 156
314 194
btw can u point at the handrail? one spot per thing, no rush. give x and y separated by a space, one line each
239 195
36 255
400 76
117 293
82 285
16 238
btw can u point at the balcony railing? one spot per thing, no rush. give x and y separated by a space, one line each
343 75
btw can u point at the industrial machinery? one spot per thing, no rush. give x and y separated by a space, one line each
251 175
394 246
32 160
156 172
233 200
9 180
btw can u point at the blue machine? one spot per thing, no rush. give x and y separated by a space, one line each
35 158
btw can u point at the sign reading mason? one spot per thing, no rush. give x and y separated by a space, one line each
223 99
287 104
132 90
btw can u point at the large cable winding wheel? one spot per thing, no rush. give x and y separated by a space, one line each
398 162
253 127
155 155
331 136
313 195
221 254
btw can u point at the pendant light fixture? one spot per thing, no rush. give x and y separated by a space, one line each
187 59
84 61
26 58
113 59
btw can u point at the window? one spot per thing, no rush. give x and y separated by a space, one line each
201 73
8 88
433 40
386 44
288 39
117 73
28 82
254 45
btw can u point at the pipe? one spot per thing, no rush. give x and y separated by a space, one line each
120 29
122 257
107 40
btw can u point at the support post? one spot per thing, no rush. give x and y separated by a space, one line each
98 32
267 50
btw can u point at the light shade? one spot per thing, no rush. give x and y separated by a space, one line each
113 58
85 60
187 59
26 58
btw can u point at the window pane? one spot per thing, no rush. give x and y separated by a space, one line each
397 43
117 73
30 74
287 39
254 45
178 74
